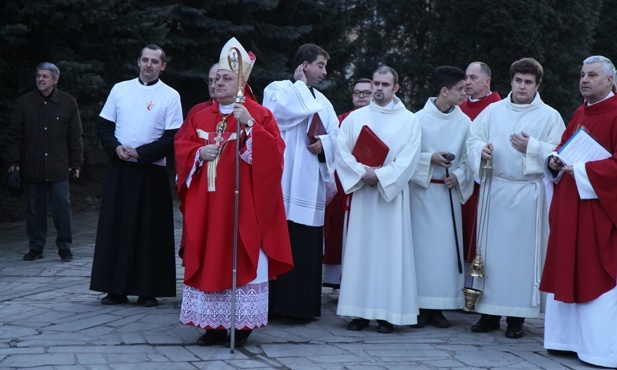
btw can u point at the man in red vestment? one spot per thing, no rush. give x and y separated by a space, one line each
206 164
211 91
335 210
478 90
580 272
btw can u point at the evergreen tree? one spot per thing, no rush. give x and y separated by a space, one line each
605 42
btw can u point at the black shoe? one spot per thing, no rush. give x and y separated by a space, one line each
486 323
357 324
212 337
515 327
242 336
65 255
384 327
423 319
557 352
147 301
33 255
439 320
114 299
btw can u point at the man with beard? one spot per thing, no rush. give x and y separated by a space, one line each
378 279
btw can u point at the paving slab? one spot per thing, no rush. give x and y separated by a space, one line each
49 319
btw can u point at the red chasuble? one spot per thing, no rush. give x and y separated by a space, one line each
209 215
581 260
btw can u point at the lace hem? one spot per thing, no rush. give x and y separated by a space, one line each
212 310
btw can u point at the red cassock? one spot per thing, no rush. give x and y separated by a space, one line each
581 259
209 216
469 210
334 219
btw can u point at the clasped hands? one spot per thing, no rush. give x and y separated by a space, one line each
125 152
370 177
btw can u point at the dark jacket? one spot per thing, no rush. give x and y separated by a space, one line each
44 137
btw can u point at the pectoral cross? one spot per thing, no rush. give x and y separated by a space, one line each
220 138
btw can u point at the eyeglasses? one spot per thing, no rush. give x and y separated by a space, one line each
362 94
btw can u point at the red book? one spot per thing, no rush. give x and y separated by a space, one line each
369 149
316 128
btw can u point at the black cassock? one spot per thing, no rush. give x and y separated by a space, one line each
134 252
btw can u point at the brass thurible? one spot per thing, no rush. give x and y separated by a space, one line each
477 268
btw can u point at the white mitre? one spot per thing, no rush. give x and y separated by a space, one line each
228 55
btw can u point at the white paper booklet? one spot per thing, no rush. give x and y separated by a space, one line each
581 147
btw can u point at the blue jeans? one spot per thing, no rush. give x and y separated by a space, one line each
36 213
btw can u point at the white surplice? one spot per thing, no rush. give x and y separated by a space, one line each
585 328
513 241
435 247
304 177
378 279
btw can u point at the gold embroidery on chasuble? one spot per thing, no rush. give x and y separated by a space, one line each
220 138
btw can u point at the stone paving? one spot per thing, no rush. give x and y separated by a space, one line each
49 319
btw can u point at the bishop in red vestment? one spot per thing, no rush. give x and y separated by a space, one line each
205 161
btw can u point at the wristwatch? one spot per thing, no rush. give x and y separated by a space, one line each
250 122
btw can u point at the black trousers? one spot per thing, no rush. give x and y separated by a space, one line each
36 213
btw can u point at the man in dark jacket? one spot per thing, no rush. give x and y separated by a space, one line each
45 145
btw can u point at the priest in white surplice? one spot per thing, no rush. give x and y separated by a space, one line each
378 278
517 134
436 199
308 173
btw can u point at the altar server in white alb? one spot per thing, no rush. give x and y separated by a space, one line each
378 279
308 172
516 134
438 188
